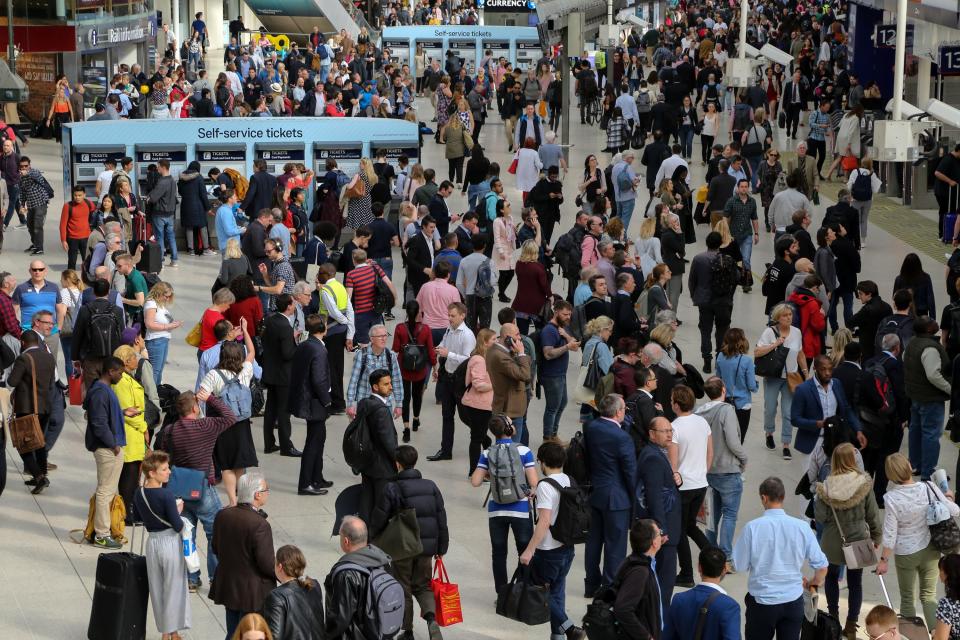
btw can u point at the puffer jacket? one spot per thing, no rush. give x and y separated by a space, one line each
412 490
455 145
812 322
294 612
194 203
345 595
851 496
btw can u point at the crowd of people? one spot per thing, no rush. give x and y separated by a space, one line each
659 432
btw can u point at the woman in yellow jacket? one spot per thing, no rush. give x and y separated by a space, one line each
130 394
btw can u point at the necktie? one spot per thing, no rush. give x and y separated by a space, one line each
796 93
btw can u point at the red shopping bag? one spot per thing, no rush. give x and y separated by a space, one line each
512 169
446 595
76 390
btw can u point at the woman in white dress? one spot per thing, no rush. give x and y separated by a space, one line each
648 247
528 167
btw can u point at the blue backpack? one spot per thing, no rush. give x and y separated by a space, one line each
237 396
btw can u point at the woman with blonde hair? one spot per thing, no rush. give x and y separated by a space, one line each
846 509
414 181
454 136
235 263
615 233
665 193
61 111
906 537
360 209
597 332
158 322
252 627
478 399
663 334
130 394
71 289
295 608
737 371
841 338
647 247
444 99
533 287
780 333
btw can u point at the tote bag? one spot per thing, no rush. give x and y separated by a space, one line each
588 378
25 432
446 596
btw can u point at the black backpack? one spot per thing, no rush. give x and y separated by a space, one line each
723 275
576 465
953 337
572 525
413 356
882 398
383 300
862 189
105 330
741 117
460 385
898 324
357 444
566 253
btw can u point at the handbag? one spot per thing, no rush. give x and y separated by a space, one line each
849 163
782 120
752 149
858 554
772 363
512 169
794 380
523 601
446 596
25 432
467 141
944 535
400 539
358 190
186 483
194 337
588 378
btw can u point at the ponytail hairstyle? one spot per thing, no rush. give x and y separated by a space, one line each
655 275
293 562
413 310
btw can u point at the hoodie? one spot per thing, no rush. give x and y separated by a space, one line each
346 594
850 496
728 453
812 321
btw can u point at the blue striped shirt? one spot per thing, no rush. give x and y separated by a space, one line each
819 121
520 509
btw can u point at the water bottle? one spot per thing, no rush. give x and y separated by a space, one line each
940 478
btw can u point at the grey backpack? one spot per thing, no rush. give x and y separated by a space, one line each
383 614
507 476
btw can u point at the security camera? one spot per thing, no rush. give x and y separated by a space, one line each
907 110
628 15
776 55
751 51
943 112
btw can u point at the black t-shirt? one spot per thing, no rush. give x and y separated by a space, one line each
588 82
949 167
379 245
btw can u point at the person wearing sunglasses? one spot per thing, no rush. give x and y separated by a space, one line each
34 196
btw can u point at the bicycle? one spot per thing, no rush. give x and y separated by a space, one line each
594 109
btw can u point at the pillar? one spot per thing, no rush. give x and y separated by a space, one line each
923 80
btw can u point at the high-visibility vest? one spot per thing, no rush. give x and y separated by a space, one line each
339 294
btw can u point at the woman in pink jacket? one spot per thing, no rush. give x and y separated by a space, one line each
477 402
504 243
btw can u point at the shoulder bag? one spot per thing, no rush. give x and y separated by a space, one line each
588 379
522 600
400 539
702 615
772 363
25 432
944 535
358 190
858 554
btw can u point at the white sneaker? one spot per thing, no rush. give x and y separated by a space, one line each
209 252
174 265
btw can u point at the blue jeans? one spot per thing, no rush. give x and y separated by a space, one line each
500 527
754 163
520 434
163 227
926 427
727 489
475 194
363 322
625 211
746 250
65 344
204 510
555 399
386 264
773 387
686 140
550 567
12 208
157 350
840 296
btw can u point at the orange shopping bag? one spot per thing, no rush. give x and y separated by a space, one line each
446 595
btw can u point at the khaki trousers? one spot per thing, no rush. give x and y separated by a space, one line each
922 565
109 467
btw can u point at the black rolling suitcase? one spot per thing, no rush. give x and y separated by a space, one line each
299 265
151 259
120 596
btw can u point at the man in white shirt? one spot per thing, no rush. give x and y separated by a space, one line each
786 203
336 308
668 166
628 106
105 177
691 455
456 346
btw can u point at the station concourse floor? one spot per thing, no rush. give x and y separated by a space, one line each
47 581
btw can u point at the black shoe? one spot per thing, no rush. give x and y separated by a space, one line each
292 452
406 435
575 633
37 252
42 483
590 594
747 289
310 490
786 454
416 424
29 249
685 582
503 298
770 444
32 482
440 455
323 484
337 411
271 449
706 365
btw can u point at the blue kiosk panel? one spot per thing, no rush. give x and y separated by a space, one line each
519 45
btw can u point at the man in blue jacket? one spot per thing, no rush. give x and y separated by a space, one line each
722 618
613 468
106 438
817 400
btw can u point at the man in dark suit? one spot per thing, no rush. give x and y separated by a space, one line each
866 321
439 211
279 346
420 255
31 378
650 357
794 100
260 192
653 156
310 399
383 436
468 228
807 413
722 611
644 408
243 542
612 461
848 371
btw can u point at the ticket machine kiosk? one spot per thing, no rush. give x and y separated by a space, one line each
277 155
88 164
400 52
434 50
220 157
528 53
466 50
497 48
147 154
347 157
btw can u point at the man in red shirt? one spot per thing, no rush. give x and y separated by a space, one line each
434 299
75 225
361 285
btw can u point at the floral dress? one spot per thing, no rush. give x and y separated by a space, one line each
443 108
360 210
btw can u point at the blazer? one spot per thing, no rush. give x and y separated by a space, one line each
383 436
644 409
612 461
243 542
673 248
21 379
509 376
657 495
418 259
279 347
310 393
723 615
806 411
259 193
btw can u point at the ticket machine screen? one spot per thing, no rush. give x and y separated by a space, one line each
434 50
400 51
348 159
528 53
276 158
88 165
467 50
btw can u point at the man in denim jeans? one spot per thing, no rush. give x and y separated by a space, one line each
190 442
163 198
557 345
925 367
741 211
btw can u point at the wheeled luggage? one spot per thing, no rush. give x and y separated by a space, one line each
119 610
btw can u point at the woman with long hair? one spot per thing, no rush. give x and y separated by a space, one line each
593 184
948 609
533 287
414 181
771 84
234 452
158 322
708 131
360 210
127 206
846 509
130 394
767 175
597 334
295 608
61 112
160 99
444 100
529 166
420 59
913 277
688 127
737 371
780 333
454 137
246 304
504 241
478 399
71 288
413 332
234 264
159 510
681 192
841 338
656 288
252 627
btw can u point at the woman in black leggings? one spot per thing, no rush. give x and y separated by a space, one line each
413 344
477 401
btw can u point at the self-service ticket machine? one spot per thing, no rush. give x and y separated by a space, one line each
220 157
466 50
347 157
528 53
88 164
434 51
400 53
393 151
498 48
277 155
148 154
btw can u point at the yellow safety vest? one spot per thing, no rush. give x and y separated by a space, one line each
339 294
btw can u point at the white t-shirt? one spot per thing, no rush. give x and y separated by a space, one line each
691 435
103 182
793 342
549 498
213 383
162 316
